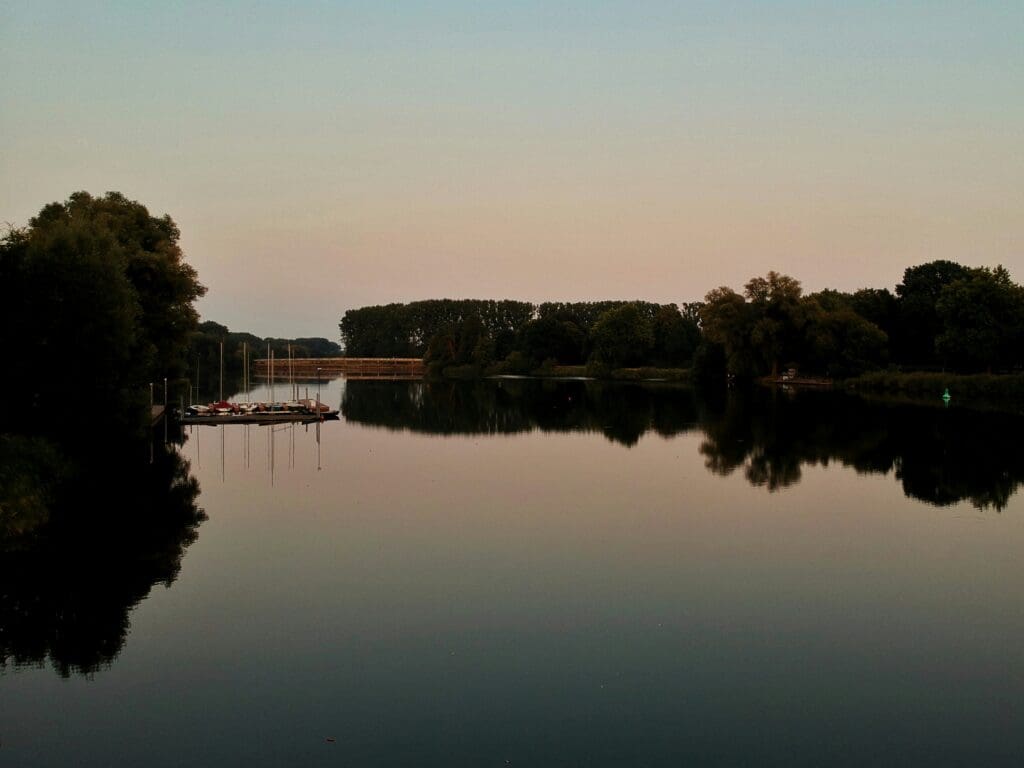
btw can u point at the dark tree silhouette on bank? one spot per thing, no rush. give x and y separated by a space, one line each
97 302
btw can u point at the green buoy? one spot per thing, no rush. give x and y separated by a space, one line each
946 397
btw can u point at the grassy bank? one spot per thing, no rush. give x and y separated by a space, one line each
682 375
981 386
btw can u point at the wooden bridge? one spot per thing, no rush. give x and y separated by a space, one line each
306 368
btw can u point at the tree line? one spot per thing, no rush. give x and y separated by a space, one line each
943 315
523 336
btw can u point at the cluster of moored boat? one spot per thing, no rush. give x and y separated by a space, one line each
222 412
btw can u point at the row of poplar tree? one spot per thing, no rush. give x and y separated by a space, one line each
943 315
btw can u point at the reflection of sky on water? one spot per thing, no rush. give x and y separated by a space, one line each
552 597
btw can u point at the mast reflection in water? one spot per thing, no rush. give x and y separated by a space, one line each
269 434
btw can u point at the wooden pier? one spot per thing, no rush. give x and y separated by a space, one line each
305 368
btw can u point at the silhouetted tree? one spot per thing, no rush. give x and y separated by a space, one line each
622 337
919 322
98 301
982 316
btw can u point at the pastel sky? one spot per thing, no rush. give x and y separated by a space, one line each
320 156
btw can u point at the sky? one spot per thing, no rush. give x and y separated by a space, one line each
322 156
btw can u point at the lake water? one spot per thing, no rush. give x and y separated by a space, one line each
545 573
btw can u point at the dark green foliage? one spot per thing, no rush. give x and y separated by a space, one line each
379 331
778 318
406 330
944 314
727 321
464 342
765 328
841 343
919 323
676 336
97 303
623 337
551 337
982 316
517 335
773 326
584 314
877 306
979 387
314 347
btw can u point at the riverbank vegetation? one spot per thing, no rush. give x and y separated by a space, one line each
943 316
98 301
1008 386
471 337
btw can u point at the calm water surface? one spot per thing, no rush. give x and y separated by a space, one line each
535 573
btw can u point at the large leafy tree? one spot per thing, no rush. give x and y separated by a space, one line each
549 338
760 328
982 318
676 336
919 321
98 301
726 319
623 337
779 318
839 342
878 306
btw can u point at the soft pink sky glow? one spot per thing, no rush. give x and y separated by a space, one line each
329 158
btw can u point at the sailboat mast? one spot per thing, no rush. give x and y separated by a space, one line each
222 371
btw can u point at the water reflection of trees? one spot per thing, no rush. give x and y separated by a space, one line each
939 455
942 456
623 413
95 544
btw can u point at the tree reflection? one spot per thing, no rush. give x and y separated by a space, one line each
941 456
623 413
92 546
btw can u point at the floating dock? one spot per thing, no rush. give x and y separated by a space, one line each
279 417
